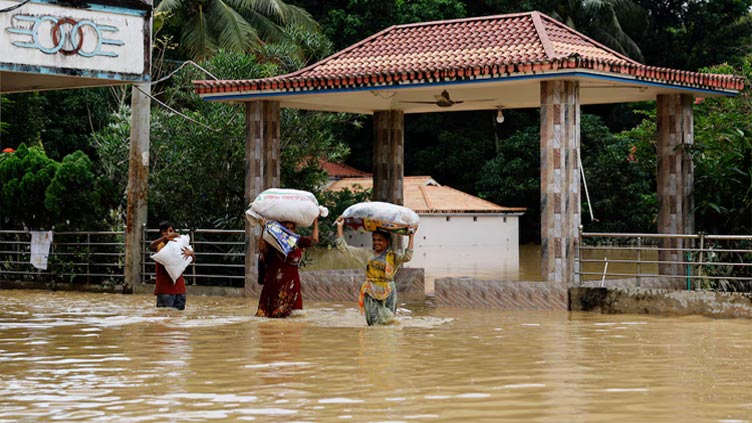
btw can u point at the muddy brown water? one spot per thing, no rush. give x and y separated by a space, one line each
81 357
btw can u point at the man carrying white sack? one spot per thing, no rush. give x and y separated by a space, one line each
169 293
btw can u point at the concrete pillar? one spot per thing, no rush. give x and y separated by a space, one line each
560 180
675 184
138 184
262 171
388 156
138 172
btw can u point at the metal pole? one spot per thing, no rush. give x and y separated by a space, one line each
143 258
639 257
88 259
193 268
701 258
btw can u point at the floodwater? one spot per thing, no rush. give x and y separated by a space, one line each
75 357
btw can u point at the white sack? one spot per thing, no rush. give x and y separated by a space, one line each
172 258
377 215
287 205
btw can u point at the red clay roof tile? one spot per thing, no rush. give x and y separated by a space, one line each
466 48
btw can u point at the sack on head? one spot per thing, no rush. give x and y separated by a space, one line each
376 215
287 205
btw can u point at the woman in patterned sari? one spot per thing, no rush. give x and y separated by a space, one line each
281 294
378 294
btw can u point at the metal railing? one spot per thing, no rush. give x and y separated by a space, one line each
78 257
99 258
220 257
717 262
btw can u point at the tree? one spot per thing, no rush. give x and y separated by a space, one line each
678 34
196 168
346 22
207 26
723 159
37 192
512 178
74 196
58 121
24 178
608 21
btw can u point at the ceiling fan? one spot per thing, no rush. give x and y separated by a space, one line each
442 100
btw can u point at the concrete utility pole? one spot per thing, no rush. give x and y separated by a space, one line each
138 184
138 173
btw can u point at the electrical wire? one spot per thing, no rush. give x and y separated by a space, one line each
187 62
175 111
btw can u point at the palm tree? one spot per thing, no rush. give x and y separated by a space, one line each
205 26
606 21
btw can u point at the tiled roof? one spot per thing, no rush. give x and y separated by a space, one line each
424 195
341 170
466 49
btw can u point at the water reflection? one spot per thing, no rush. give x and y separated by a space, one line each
104 358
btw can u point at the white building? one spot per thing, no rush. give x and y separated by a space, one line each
459 235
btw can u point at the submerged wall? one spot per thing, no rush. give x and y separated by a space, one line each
506 295
661 302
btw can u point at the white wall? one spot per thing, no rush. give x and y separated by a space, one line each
481 246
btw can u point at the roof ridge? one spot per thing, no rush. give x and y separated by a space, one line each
467 19
424 194
581 35
548 46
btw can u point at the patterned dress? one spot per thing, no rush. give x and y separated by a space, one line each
378 294
281 292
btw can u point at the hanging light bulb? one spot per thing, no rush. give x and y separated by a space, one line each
499 116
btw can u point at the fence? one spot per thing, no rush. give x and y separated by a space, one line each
99 258
700 261
718 262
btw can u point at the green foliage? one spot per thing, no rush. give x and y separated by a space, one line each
608 21
37 192
620 175
206 26
337 202
24 178
692 34
430 137
512 179
73 195
616 174
4 102
349 21
196 172
722 155
59 121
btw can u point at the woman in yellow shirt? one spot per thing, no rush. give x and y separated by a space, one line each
378 294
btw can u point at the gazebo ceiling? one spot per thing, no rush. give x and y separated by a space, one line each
483 63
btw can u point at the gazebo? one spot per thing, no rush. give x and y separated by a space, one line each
500 62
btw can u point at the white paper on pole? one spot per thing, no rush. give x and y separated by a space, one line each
40 248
